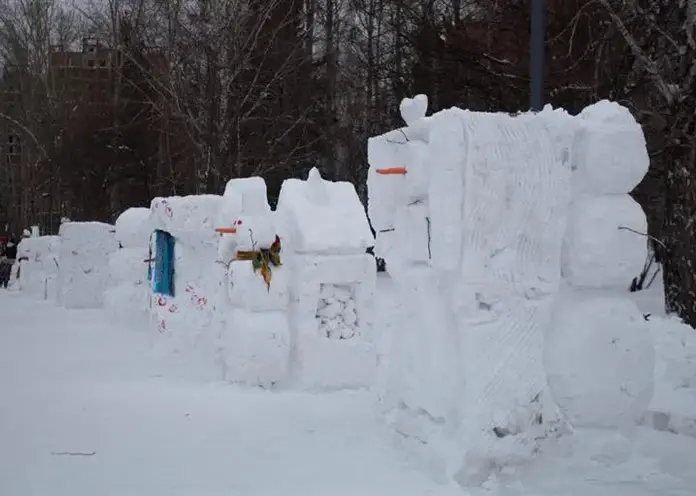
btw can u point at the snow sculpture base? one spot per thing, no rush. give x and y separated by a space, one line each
600 361
603 246
255 338
247 289
477 298
331 308
256 347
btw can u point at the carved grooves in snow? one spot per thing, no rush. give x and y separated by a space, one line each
514 209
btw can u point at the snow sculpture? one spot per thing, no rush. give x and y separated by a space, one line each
38 258
84 259
600 356
128 298
255 335
511 244
183 320
333 283
473 241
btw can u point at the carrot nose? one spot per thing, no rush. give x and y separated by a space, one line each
226 230
392 171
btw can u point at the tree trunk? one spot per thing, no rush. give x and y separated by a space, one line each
679 260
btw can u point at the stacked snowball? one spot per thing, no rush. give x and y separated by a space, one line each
599 354
128 295
336 311
254 334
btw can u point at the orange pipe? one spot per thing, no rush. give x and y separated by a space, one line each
226 230
392 171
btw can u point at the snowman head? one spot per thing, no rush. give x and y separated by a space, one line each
254 232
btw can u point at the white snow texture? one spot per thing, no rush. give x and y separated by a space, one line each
514 208
510 242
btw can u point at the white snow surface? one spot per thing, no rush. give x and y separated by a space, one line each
323 217
88 410
181 216
128 297
84 263
599 360
609 154
605 245
133 227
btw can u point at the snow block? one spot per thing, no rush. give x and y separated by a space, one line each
256 347
332 311
85 248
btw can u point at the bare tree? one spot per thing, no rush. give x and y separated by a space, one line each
28 31
661 37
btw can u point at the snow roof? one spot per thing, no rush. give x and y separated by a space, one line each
323 216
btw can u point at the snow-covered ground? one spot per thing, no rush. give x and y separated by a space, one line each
85 410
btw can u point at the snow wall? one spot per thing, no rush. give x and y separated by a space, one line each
182 324
84 251
512 241
309 324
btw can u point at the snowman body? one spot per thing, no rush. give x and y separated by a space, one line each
255 335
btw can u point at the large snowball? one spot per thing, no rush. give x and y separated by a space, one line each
133 227
609 152
605 244
600 359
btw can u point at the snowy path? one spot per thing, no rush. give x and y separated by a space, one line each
83 413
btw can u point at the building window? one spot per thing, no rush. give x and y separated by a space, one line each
90 63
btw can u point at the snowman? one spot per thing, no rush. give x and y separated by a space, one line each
254 335
406 243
